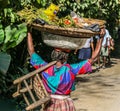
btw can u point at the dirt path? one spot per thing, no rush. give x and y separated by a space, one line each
99 91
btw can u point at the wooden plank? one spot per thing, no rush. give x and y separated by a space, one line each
16 94
26 99
38 103
30 92
18 87
33 73
21 91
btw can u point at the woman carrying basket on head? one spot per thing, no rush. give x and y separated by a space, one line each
59 79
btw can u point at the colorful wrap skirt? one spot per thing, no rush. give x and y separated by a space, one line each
60 104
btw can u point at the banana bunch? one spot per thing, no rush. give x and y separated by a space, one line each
30 14
27 14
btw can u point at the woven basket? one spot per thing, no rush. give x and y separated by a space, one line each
64 42
39 88
70 32
67 38
94 21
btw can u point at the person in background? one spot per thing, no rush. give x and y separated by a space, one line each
110 47
59 79
105 48
96 40
86 51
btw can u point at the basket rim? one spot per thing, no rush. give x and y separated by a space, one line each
71 32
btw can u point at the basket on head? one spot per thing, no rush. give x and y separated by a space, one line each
64 42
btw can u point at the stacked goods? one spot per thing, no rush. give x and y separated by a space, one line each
29 14
69 32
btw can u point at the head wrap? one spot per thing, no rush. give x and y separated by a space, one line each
59 55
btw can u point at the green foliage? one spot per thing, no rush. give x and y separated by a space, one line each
4 65
4 62
42 3
9 16
10 37
1 34
18 67
13 35
3 3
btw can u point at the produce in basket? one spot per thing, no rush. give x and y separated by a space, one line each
51 11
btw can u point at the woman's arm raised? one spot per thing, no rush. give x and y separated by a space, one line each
98 47
30 44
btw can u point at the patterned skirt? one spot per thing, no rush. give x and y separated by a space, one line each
60 105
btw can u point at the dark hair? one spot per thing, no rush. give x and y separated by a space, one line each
59 56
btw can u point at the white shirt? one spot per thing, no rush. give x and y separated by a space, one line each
88 41
97 37
108 43
107 36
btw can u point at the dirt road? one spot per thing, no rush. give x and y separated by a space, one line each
99 91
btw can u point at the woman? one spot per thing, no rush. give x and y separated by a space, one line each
86 51
59 79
